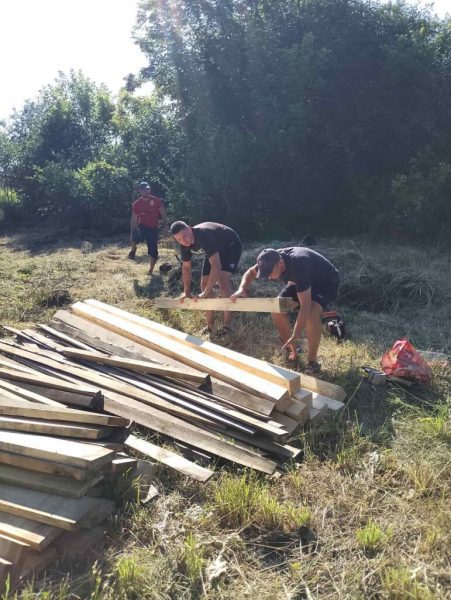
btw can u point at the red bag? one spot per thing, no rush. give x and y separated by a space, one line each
404 361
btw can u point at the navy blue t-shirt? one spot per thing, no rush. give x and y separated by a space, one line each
211 237
306 267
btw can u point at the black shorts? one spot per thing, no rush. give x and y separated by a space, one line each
324 292
230 257
148 235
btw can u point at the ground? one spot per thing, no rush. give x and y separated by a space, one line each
365 515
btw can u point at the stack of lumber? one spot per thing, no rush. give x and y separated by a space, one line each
69 392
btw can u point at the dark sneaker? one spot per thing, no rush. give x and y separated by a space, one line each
131 255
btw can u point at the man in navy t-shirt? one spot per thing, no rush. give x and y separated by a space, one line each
311 280
222 248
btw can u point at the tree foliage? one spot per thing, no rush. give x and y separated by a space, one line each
276 117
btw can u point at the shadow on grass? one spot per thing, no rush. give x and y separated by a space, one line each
151 289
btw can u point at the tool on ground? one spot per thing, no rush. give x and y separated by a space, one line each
334 323
376 377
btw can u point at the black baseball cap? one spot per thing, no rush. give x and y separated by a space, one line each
266 261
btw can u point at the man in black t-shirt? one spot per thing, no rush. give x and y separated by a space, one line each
311 280
222 248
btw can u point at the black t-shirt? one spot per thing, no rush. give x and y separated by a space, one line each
306 267
212 238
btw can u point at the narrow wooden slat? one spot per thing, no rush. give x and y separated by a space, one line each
37 535
259 305
134 365
170 459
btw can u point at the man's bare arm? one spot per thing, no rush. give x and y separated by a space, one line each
248 278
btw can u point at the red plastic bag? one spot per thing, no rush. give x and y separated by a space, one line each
404 361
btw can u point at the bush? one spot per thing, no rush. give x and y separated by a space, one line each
11 209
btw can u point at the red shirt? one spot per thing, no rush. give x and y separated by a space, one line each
148 210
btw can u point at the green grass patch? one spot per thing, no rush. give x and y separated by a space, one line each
373 538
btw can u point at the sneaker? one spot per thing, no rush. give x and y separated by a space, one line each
206 331
131 255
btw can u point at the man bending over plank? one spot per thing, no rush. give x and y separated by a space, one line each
311 280
223 248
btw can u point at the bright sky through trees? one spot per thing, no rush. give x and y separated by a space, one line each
38 38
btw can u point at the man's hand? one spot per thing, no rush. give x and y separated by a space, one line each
291 345
240 293
200 297
183 296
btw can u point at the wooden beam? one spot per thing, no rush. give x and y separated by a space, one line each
46 381
170 459
191 356
330 390
290 380
14 392
259 305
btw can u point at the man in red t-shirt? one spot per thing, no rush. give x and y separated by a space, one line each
147 211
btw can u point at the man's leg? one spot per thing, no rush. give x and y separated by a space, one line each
152 248
152 262
209 313
225 291
314 330
283 325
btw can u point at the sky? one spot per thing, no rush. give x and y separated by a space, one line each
39 38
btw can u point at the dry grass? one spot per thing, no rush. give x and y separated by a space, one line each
364 516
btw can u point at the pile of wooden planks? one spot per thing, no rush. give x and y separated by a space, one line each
68 392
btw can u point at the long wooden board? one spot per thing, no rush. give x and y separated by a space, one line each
37 535
51 484
260 305
170 459
184 432
63 429
271 373
13 392
45 380
191 356
76 454
330 390
49 509
134 365
46 466
23 408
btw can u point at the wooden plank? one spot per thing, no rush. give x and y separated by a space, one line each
46 466
193 357
331 403
174 406
64 338
330 390
51 484
24 408
179 430
290 380
76 454
63 429
170 459
134 365
63 398
297 410
120 345
44 381
259 305
37 535
13 392
110 342
13 550
49 509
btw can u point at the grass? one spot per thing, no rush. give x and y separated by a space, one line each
364 516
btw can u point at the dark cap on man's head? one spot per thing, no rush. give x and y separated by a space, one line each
266 261
144 185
